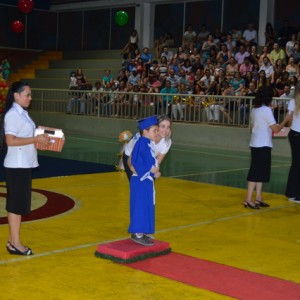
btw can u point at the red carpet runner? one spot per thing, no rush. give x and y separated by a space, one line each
219 278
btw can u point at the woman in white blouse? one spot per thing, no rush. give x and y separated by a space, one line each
21 157
293 186
262 124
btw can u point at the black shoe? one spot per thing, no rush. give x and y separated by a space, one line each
261 203
143 240
295 199
247 204
13 250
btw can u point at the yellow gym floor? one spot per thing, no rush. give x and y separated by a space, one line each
200 219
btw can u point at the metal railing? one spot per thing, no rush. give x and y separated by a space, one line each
211 109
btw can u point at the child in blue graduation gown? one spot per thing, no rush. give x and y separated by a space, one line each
142 192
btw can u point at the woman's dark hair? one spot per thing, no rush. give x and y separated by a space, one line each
263 96
16 87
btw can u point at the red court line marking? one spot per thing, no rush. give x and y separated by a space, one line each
219 278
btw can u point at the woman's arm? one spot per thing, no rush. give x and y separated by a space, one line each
277 127
12 140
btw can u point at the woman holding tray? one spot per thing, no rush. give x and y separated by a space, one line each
21 156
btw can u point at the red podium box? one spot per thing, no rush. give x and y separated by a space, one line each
127 251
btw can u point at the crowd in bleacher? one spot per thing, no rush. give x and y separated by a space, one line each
206 63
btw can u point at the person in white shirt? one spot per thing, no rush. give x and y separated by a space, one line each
293 187
161 146
250 36
262 126
20 159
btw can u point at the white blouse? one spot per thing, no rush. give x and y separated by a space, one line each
18 123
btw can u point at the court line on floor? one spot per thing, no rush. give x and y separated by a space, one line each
221 171
78 247
173 149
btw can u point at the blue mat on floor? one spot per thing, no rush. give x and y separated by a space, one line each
54 167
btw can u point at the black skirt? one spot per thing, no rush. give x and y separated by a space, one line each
260 168
18 186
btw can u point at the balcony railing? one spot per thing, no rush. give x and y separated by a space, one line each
211 109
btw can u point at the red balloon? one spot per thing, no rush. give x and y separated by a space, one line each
25 6
17 26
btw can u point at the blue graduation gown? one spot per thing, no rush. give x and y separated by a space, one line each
142 193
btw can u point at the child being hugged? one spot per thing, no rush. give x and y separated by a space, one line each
142 191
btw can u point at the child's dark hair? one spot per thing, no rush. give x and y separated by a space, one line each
263 96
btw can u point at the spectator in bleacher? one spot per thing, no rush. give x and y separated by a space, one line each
173 78
136 55
178 104
246 66
276 53
164 41
154 69
231 68
281 81
174 66
96 95
132 43
279 68
254 56
187 66
163 106
249 36
289 47
202 36
237 83
121 77
267 67
248 79
241 54
292 68
167 54
134 77
270 36
195 54
107 77
219 36
296 53
230 43
245 104
163 68
189 39
207 80
140 67
293 82
206 47
5 69
264 53
180 56
224 53
262 81
147 58
197 65
125 62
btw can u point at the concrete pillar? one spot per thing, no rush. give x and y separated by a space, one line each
144 23
266 15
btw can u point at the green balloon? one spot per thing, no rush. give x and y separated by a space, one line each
121 18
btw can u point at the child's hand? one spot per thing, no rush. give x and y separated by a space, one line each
154 169
157 175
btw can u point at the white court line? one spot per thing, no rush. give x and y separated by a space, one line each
57 251
221 171
173 149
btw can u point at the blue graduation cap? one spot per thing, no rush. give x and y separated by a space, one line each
147 122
